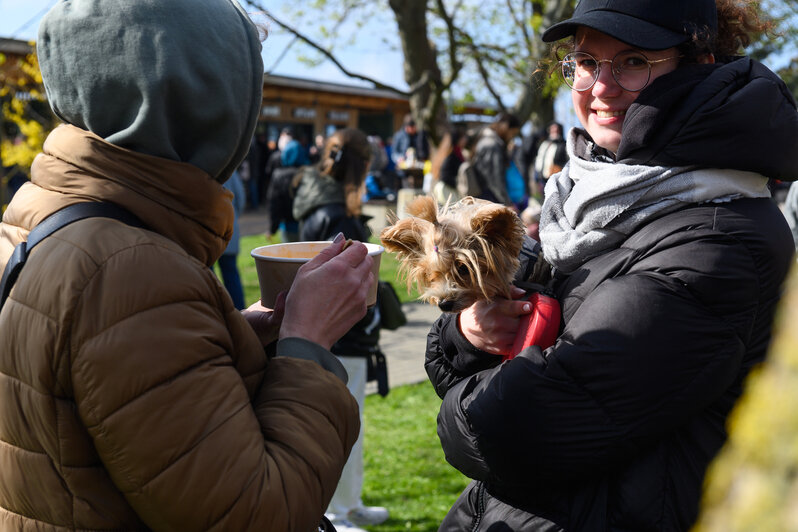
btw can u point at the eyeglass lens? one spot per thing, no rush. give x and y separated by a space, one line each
630 69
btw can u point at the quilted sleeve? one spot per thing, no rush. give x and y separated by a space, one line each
191 442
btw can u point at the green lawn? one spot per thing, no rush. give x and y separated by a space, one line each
405 469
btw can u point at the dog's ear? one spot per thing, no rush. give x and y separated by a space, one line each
424 207
500 226
405 236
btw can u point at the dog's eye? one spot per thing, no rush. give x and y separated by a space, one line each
462 270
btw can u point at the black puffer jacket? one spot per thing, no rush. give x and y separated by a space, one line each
320 206
612 428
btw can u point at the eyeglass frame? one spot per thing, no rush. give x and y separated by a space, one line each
612 70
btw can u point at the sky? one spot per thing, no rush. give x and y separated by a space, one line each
19 19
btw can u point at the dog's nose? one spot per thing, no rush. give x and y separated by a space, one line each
447 305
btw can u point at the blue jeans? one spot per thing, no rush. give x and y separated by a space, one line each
232 279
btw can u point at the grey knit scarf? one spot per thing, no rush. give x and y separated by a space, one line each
593 205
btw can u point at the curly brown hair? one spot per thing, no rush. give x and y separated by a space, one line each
739 23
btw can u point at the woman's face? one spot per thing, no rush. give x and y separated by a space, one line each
602 108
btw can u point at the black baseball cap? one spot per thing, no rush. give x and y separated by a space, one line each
646 24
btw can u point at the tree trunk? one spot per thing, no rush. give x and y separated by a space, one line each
532 104
422 73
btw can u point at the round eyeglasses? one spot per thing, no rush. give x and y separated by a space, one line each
631 69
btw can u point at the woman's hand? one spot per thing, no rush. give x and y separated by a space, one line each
492 327
328 295
265 321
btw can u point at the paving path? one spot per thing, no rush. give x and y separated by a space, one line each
404 348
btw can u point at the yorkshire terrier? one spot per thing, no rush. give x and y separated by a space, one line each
467 251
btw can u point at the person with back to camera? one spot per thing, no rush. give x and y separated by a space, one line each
281 190
328 202
491 158
134 395
668 258
446 163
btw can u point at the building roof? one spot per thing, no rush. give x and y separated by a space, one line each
14 46
471 108
300 83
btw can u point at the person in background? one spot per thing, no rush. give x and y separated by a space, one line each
517 186
261 159
286 136
445 164
328 201
491 158
531 218
551 156
390 173
524 158
133 394
375 185
668 258
273 157
282 189
228 262
314 152
409 137
248 173
790 210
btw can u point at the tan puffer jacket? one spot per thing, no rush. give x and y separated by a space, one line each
133 395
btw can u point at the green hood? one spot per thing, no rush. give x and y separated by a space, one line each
316 190
178 79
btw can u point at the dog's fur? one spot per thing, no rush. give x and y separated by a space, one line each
466 252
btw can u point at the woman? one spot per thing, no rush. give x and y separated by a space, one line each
328 202
445 164
668 256
281 191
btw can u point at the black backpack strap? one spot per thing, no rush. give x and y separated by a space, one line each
50 225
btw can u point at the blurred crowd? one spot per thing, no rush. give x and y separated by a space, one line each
489 161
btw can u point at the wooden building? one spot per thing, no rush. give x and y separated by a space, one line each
319 108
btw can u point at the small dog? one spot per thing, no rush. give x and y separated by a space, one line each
466 252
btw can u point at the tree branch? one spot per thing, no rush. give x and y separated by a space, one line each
519 24
454 65
282 55
485 76
377 84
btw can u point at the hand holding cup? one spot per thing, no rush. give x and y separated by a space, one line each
329 294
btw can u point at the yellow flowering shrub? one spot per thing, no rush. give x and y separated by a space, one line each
753 483
24 108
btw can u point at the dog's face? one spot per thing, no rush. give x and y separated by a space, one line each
466 252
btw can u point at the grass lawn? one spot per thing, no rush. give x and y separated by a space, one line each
405 469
